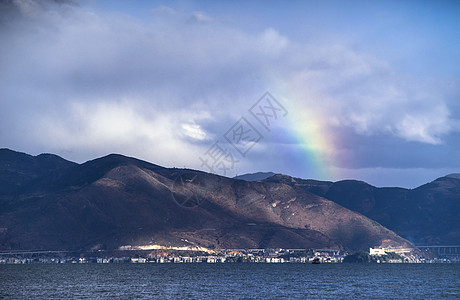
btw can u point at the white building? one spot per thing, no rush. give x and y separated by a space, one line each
377 251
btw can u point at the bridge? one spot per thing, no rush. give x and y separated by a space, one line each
22 252
443 251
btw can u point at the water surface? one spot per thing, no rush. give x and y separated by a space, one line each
220 281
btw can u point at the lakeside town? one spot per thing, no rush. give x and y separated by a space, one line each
163 255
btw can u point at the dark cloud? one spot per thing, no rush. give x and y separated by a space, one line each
84 83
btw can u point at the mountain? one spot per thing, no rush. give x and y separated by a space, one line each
47 202
19 171
255 176
427 215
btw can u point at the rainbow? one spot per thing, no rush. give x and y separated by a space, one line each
308 129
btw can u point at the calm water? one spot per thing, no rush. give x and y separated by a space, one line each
176 281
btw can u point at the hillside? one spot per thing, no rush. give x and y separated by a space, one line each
427 215
117 200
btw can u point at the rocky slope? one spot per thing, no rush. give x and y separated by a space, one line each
427 215
49 203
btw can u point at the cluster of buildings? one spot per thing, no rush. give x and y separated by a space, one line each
160 256
163 255
408 255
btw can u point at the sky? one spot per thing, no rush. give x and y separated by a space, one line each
327 90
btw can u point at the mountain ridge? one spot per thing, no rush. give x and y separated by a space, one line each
255 176
428 214
116 200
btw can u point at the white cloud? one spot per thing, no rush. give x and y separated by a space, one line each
124 127
428 127
361 92
194 131
77 79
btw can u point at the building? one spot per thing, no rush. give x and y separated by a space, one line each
377 251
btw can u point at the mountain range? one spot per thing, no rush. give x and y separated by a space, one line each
47 202
426 215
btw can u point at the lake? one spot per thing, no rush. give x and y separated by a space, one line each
222 281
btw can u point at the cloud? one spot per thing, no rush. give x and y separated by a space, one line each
194 131
162 88
124 127
365 94
427 127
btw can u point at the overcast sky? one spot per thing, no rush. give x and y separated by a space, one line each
366 90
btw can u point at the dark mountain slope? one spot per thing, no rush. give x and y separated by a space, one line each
436 207
429 214
20 170
117 200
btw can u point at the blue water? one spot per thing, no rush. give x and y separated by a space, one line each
223 281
